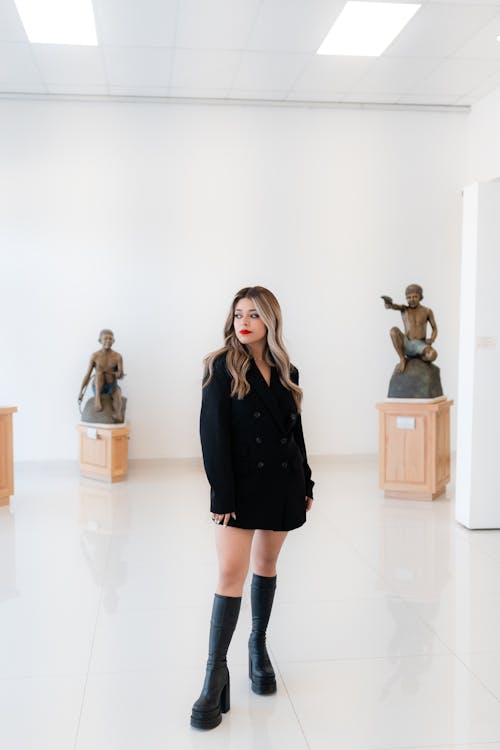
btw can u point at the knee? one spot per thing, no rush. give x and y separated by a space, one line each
264 565
429 354
231 578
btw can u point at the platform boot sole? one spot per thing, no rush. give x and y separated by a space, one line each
212 719
261 685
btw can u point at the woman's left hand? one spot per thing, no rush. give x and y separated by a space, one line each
309 502
223 518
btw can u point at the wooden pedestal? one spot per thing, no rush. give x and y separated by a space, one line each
414 448
6 454
104 451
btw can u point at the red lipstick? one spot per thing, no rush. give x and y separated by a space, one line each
244 332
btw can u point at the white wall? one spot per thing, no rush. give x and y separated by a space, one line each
484 143
478 478
147 218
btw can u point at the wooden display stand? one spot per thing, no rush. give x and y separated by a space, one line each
104 451
6 454
414 447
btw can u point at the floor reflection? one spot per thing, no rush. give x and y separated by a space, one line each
8 578
104 523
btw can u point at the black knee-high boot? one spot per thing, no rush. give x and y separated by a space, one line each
214 698
260 669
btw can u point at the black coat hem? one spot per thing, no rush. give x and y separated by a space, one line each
236 525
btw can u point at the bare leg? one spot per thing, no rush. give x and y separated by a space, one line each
116 400
397 339
233 551
98 383
265 551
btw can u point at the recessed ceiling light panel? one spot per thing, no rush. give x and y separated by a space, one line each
58 21
367 28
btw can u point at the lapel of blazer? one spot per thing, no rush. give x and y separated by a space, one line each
264 392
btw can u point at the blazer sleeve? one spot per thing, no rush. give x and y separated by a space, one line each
299 439
215 434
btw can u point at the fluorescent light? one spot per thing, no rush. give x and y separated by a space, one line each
58 21
367 28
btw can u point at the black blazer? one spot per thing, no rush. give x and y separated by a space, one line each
254 452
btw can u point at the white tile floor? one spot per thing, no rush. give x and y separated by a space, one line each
385 632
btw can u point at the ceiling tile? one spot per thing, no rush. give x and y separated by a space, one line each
11 28
258 49
316 96
430 99
392 74
372 98
259 95
78 89
197 93
137 24
22 88
67 64
491 84
266 70
439 30
483 45
215 24
293 25
458 77
137 66
462 2
204 68
17 64
468 100
159 91
325 73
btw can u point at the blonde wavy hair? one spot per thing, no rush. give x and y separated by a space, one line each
238 358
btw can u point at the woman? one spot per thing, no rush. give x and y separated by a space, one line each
261 488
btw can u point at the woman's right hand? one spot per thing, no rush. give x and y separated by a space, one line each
222 518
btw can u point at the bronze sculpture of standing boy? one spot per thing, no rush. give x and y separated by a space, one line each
413 342
108 369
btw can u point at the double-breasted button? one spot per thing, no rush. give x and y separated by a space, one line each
293 417
256 414
284 465
283 441
260 465
258 440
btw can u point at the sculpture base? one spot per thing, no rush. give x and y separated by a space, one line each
104 451
419 380
414 448
105 416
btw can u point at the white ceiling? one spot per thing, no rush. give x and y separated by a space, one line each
448 54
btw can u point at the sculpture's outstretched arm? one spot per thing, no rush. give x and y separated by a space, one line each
389 304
